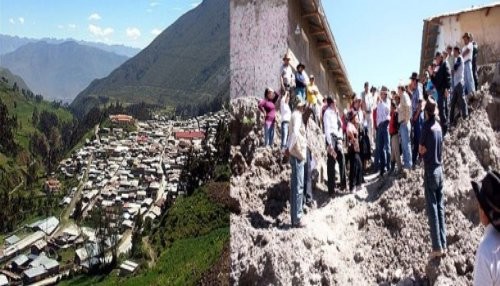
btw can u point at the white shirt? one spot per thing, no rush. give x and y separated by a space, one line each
295 131
286 113
287 75
331 125
487 265
383 111
468 57
369 102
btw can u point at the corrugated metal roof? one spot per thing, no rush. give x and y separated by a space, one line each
35 272
477 8
20 260
3 280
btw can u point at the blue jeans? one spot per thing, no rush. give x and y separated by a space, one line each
296 189
384 146
301 93
468 78
405 132
433 183
268 134
284 133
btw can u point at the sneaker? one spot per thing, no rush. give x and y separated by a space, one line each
437 253
300 224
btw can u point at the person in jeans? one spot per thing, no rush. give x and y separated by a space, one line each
297 134
487 265
467 54
417 98
268 107
356 168
442 81
333 136
430 147
286 115
383 140
287 78
393 132
301 82
458 89
404 118
308 194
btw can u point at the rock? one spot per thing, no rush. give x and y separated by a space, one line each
358 257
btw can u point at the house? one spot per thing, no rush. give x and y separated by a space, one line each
50 265
12 240
3 280
33 275
296 27
189 135
38 247
47 225
19 262
52 185
122 119
89 250
128 267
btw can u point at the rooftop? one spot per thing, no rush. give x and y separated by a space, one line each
472 9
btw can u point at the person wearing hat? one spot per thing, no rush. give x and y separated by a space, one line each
441 79
353 149
383 140
404 118
333 137
458 88
301 82
312 95
431 149
287 78
417 100
487 264
467 54
297 151
268 106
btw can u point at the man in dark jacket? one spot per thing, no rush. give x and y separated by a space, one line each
441 79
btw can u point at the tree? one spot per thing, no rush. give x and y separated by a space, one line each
77 213
136 250
35 116
7 126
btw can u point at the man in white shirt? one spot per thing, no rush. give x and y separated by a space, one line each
487 265
287 77
383 139
286 115
467 50
368 105
333 136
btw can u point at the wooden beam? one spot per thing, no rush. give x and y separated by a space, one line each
330 58
316 13
487 11
322 45
316 33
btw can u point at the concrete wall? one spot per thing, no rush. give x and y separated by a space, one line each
259 31
485 29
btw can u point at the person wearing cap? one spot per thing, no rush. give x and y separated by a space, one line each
383 140
431 149
404 118
353 148
487 264
312 95
333 136
467 54
458 89
301 82
286 114
417 99
287 78
268 107
441 78
297 151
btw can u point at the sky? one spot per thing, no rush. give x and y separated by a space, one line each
132 23
380 41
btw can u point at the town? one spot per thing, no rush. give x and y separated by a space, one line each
130 168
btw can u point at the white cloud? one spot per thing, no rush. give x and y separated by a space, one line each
195 4
21 20
133 33
95 16
156 31
71 26
11 20
154 4
100 32
60 26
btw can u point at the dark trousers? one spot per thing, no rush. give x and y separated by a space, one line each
355 170
330 168
458 98
308 197
474 73
443 111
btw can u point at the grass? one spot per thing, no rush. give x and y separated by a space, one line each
67 255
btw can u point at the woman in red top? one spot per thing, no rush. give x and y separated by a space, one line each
268 107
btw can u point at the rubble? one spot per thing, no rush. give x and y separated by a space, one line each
377 237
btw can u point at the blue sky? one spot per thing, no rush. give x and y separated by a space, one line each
130 22
379 41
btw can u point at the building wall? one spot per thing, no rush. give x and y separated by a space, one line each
485 29
258 41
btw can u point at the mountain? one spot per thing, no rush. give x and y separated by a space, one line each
187 63
9 79
11 43
60 71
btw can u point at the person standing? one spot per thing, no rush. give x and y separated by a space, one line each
393 132
287 78
451 61
430 147
467 54
417 98
268 107
297 149
487 265
368 103
312 92
383 140
355 170
286 115
441 80
475 51
404 118
458 89
301 82
308 194
333 136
